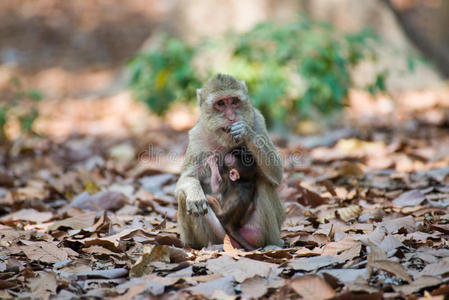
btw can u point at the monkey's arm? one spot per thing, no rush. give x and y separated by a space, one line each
188 186
261 146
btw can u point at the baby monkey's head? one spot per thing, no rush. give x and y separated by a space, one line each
239 164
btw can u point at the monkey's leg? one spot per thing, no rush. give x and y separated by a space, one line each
264 224
198 231
235 234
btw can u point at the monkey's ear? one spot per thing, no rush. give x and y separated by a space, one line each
198 96
245 88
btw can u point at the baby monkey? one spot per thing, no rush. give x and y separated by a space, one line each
233 179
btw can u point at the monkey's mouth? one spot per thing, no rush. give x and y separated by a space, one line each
226 129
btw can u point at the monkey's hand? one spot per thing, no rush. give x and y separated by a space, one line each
240 129
196 206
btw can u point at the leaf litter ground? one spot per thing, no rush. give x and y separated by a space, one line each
88 210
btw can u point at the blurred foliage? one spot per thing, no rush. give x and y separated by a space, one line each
292 70
162 77
21 107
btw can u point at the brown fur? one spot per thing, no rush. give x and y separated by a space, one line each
236 203
206 138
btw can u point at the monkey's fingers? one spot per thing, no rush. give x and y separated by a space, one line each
197 207
238 129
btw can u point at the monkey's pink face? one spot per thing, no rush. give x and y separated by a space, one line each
228 106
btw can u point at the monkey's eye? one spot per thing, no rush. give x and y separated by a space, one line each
220 103
235 100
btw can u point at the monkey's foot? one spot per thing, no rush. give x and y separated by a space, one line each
214 203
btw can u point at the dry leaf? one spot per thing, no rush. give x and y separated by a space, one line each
44 251
254 287
150 254
313 263
29 214
349 213
208 289
378 259
242 269
77 222
410 198
44 286
312 288
417 285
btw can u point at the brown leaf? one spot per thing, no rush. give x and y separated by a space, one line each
98 250
108 273
208 289
350 169
390 243
312 288
436 269
417 285
44 252
29 214
308 197
313 263
378 259
132 292
106 200
345 275
345 249
410 198
7 284
349 213
254 287
392 226
150 254
44 286
242 269
77 222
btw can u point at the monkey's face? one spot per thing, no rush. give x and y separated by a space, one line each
223 110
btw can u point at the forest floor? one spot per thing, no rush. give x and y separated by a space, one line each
87 208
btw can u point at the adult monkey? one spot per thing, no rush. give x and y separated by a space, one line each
228 120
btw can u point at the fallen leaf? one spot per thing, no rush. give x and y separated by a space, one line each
29 214
350 169
378 259
254 287
150 254
151 286
314 263
312 288
44 286
44 251
392 226
410 198
122 152
417 285
436 269
105 200
208 289
241 269
346 275
77 222
108 274
349 213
